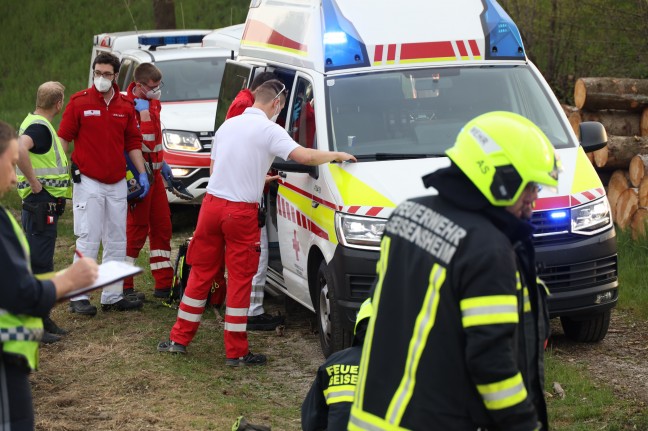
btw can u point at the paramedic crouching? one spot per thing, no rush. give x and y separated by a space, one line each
243 151
24 300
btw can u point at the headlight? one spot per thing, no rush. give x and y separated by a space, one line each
181 141
359 232
590 218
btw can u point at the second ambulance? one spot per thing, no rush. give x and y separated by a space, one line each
394 87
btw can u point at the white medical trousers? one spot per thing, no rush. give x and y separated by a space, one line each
100 219
259 280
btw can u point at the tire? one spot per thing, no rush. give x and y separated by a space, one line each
590 329
329 320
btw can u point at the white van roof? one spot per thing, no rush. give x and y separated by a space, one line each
118 42
226 37
329 35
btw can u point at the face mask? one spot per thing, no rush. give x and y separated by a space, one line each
153 95
276 115
102 84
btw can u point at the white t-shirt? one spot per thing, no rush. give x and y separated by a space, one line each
243 150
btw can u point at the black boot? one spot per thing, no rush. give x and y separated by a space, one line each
49 338
52 328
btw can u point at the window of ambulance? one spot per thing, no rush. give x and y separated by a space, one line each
126 71
419 112
191 78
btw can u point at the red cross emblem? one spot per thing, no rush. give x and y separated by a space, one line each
295 244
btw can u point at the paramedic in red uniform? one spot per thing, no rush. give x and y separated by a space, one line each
150 216
102 123
244 148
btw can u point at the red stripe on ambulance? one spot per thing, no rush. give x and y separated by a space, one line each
378 53
286 210
413 51
462 48
256 31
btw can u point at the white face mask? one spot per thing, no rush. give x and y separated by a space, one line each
276 115
153 95
102 84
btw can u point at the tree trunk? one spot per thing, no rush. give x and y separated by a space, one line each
611 93
164 14
620 150
626 206
620 123
618 184
637 169
638 223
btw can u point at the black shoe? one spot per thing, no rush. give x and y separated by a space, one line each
82 306
162 293
177 188
247 360
264 322
123 304
132 295
242 424
171 347
52 328
49 338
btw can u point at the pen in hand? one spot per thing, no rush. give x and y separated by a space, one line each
78 253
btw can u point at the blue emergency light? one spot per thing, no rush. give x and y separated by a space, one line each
343 47
170 40
503 39
558 215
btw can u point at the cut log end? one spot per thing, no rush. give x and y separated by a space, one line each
638 224
626 206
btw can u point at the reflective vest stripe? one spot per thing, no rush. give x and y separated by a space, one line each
489 310
148 137
364 421
503 394
191 317
381 268
235 327
156 165
39 172
20 333
236 311
424 322
527 302
197 303
339 394
155 149
160 253
46 183
160 265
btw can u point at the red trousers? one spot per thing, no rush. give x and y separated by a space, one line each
227 229
151 217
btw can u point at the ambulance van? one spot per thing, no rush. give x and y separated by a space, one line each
393 86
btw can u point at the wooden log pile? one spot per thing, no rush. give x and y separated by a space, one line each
621 105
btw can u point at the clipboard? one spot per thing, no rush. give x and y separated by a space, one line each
109 272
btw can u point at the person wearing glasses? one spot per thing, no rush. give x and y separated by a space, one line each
102 123
150 216
243 150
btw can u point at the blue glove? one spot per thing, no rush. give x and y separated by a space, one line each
144 183
166 172
141 105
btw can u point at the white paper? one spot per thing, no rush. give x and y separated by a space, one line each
109 272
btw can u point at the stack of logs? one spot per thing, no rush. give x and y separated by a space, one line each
621 105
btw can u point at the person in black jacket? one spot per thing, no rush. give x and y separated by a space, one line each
328 403
456 340
24 300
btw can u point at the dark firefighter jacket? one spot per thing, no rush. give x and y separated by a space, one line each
451 346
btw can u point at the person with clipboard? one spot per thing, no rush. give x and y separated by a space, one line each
24 299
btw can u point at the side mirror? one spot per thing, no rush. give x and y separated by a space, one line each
592 136
291 166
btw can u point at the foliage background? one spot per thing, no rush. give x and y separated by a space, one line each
45 40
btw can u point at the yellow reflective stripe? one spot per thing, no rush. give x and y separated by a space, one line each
527 302
422 327
355 191
365 421
489 310
518 280
585 177
381 268
503 394
544 285
323 216
339 394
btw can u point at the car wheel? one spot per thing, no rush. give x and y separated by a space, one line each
329 320
588 329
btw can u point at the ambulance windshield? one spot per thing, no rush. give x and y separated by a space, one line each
191 78
419 112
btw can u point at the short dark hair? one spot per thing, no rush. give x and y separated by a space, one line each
261 78
7 134
106 58
146 72
269 90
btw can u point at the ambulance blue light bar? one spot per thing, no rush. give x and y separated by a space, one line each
343 48
558 215
503 39
170 40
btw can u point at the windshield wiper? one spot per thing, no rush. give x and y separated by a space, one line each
396 156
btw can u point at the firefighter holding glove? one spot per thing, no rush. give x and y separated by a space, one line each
457 272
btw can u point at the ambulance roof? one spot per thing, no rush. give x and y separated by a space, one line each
226 37
123 40
328 35
177 53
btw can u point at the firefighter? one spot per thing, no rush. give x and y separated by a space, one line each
457 308
24 300
150 217
43 184
328 403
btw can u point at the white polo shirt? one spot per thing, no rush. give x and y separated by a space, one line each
243 150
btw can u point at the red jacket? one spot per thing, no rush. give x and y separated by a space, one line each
151 131
101 133
243 100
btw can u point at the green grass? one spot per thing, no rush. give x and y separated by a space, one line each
633 275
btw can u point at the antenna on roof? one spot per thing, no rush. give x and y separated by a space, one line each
184 27
131 15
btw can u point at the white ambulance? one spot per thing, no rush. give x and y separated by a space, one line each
394 87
